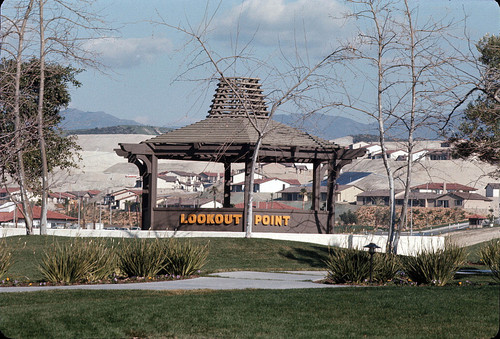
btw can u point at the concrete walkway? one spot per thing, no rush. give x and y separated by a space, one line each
216 281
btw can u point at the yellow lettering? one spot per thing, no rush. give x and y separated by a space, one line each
192 218
228 219
202 218
237 218
266 220
210 219
183 218
258 219
219 218
286 218
278 220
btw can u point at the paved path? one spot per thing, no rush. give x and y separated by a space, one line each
216 281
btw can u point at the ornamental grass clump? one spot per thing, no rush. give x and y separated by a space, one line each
77 261
347 265
490 255
434 267
5 258
184 258
142 257
386 266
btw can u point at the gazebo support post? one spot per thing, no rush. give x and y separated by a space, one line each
227 184
149 191
316 188
247 208
330 198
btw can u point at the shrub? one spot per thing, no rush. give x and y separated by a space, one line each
5 258
434 267
185 259
349 218
142 257
386 266
77 261
490 254
348 265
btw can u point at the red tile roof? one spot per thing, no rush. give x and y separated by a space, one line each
37 211
449 186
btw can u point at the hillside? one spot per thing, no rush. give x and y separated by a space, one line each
123 129
74 119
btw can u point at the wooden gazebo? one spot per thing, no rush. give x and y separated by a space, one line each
229 135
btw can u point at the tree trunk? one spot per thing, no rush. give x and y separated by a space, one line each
28 217
40 125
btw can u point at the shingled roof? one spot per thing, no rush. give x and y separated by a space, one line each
239 130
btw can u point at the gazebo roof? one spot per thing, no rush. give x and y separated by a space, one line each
239 130
231 130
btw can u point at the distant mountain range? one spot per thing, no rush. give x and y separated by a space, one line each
325 126
74 119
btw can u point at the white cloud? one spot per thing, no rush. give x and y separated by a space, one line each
126 53
270 21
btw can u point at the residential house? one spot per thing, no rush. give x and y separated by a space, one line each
343 193
170 182
189 202
296 193
267 185
398 155
471 202
438 154
61 197
239 177
493 190
269 205
123 199
375 197
192 187
183 176
6 193
211 177
360 144
442 188
418 199
11 216
372 150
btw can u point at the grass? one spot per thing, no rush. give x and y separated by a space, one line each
224 254
375 312
457 310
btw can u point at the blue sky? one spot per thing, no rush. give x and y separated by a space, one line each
146 60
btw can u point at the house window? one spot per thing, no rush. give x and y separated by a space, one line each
458 202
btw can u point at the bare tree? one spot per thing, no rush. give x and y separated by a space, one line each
19 29
405 71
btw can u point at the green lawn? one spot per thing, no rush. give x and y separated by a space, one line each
374 312
454 311
224 254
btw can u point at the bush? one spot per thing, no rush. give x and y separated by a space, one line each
490 254
386 266
184 259
349 218
434 267
5 258
348 265
77 261
142 257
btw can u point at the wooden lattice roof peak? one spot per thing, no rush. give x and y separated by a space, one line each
238 97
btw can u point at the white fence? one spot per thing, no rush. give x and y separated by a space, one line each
408 245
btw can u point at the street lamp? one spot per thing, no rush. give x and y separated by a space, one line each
371 250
